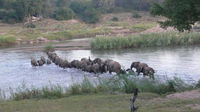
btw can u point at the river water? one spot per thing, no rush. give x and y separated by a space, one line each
15 67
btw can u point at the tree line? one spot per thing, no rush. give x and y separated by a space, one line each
12 11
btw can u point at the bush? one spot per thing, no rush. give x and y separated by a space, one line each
63 14
85 11
114 19
136 15
91 16
6 40
30 25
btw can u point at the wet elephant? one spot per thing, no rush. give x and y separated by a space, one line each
42 58
40 63
48 62
148 71
97 60
64 64
96 68
34 62
138 66
75 64
113 66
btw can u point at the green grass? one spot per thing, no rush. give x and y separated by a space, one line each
6 40
76 33
143 26
147 102
146 40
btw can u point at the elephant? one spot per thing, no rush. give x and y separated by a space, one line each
53 57
148 71
88 61
48 62
34 62
64 64
83 65
113 66
57 60
96 68
88 68
138 66
75 64
40 62
42 58
97 60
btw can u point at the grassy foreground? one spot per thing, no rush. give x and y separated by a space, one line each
147 102
146 40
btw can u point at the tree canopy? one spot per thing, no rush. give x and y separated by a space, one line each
180 14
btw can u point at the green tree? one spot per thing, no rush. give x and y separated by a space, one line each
180 14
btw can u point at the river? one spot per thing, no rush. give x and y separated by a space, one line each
15 67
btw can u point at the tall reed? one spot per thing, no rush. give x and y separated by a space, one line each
146 40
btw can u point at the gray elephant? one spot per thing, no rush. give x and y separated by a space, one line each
138 66
48 62
96 68
97 60
75 64
148 71
112 66
34 62
42 58
57 60
88 68
40 63
88 61
83 65
64 64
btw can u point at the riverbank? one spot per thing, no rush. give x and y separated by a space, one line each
147 102
48 30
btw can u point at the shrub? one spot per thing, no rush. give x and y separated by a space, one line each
91 16
30 25
49 48
6 40
63 14
136 15
85 11
114 19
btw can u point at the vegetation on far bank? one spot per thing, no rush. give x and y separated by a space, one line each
146 40
6 40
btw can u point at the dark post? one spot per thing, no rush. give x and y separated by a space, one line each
132 101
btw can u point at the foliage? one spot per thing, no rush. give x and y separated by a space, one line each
114 19
6 40
146 40
63 14
181 14
136 15
49 48
85 11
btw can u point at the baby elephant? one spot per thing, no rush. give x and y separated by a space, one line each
138 66
148 71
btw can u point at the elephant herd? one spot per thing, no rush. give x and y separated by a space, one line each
93 66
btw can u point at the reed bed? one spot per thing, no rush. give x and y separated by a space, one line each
146 40
6 40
